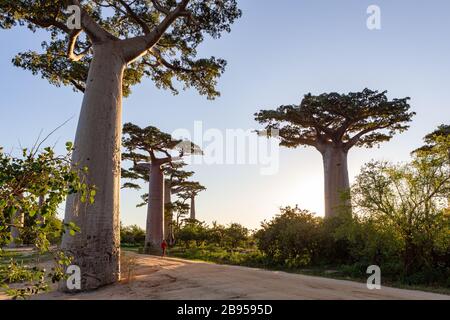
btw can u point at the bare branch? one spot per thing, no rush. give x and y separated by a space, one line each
95 32
73 37
161 61
46 23
136 47
160 8
359 135
77 85
135 17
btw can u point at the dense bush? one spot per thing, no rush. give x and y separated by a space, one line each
291 238
296 239
132 236
53 227
400 221
196 233
192 232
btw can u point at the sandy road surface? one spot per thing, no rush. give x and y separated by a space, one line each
168 278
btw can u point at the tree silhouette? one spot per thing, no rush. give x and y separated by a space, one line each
119 43
334 123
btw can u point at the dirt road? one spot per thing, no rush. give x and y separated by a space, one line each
156 278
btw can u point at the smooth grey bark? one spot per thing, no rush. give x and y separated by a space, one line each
17 221
168 225
193 207
155 211
96 248
336 181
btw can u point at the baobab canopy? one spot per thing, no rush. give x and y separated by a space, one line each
152 141
361 119
67 53
144 144
333 123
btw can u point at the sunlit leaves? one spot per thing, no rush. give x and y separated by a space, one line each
178 46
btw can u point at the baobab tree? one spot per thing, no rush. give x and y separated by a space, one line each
334 123
144 147
118 44
188 191
175 176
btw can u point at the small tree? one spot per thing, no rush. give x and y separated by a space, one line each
334 123
132 235
192 231
153 143
216 234
181 210
236 235
412 200
291 238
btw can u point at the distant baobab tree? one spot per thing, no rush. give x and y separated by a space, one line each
149 150
175 176
188 191
115 48
333 123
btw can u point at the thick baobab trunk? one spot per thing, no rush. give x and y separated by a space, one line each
17 221
193 207
168 226
95 249
336 181
155 213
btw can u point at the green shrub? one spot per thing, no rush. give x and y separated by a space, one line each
132 236
291 238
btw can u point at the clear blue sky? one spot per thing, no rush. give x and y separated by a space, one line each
276 54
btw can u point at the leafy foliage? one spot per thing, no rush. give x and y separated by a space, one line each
200 234
412 201
400 221
173 56
143 144
343 120
291 238
35 185
132 235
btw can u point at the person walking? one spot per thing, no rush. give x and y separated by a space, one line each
164 247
